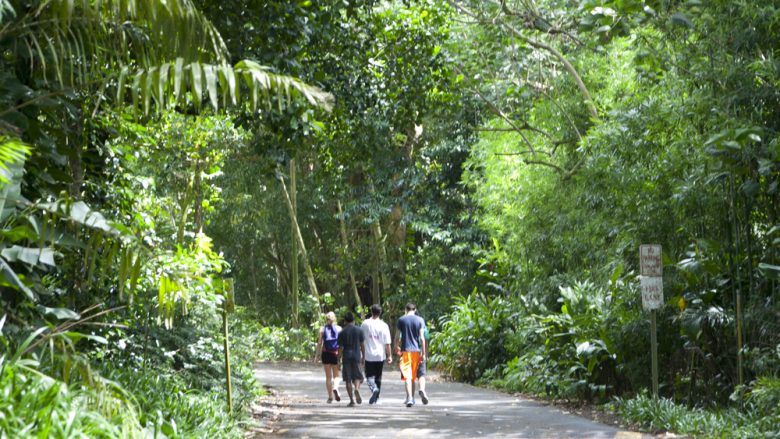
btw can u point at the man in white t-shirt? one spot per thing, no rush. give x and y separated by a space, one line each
377 341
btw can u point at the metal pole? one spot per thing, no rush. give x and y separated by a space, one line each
654 352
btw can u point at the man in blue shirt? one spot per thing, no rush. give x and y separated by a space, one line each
410 346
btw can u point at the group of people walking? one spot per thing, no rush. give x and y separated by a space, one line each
354 349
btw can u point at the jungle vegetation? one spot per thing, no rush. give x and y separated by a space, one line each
167 167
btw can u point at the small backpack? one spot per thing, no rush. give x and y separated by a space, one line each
330 339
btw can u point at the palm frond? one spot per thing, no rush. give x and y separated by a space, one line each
70 41
192 82
6 10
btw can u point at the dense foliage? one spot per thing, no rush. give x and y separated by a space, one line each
164 163
662 129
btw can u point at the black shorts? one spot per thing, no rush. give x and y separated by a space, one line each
329 358
374 369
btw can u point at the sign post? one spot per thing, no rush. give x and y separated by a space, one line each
228 306
651 281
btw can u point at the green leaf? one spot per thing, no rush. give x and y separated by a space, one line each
769 270
77 336
10 275
26 343
197 83
178 72
233 80
30 255
136 88
681 20
59 313
162 84
82 214
148 89
211 85
120 88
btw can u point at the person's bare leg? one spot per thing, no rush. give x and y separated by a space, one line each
349 392
329 380
409 387
334 373
421 389
356 391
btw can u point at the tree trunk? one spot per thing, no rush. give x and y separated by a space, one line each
197 187
301 244
253 272
381 281
345 245
294 247
184 205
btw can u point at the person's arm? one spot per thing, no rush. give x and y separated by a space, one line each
341 350
318 349
387 341
398 342
423 346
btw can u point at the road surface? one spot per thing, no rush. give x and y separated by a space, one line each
299 410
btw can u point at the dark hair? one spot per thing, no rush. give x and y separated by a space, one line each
410 306
348 317
376 310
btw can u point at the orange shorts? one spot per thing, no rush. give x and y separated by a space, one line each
409 362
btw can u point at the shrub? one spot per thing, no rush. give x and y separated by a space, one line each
472 337
570 353
764 397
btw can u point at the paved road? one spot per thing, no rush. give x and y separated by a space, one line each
455 411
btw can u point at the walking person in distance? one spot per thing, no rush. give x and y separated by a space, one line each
352 353
328 350
410 346
377 342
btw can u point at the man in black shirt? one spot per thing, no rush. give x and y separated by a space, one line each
352 353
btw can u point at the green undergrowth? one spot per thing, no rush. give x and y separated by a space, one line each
732 422
35 405
158 383
275 343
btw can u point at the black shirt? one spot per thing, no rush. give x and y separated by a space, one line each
350 338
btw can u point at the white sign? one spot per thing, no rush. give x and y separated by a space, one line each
652 292
651 279
650 260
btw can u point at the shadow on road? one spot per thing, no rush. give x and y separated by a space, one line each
456 411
